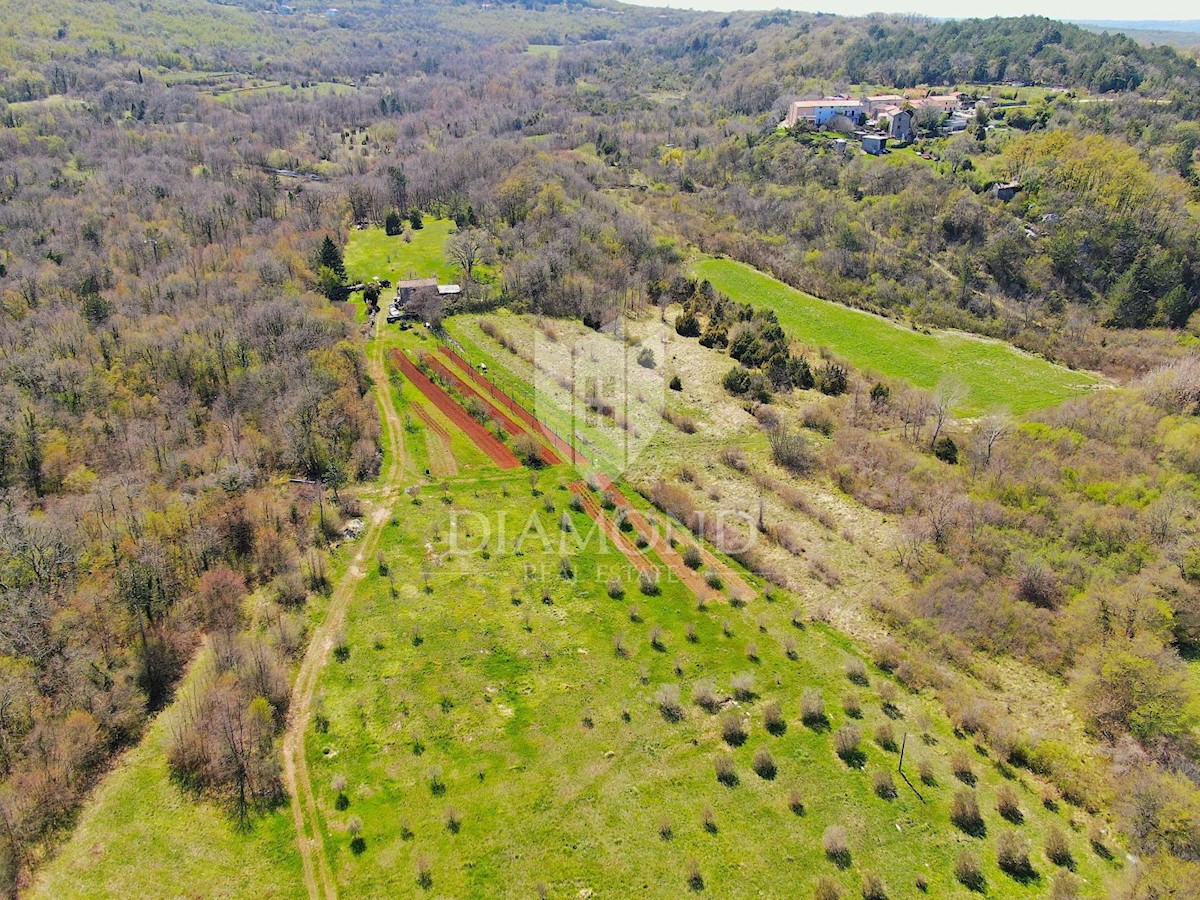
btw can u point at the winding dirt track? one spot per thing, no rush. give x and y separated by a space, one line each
318 877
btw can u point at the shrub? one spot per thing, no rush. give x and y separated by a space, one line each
565 569
832 379
1008 805
1012 855
667 698
845 743
695 879
968 871
960 765
692 558
690 631
713 580
773 718
1065 886
665 831
616 589
925 771
726 774
656 638
827 889
525 447
812 709
873 887
836 844
645 358
704 695
792 449
764 763
648 584
424 873
856 670
743 686
852 706
791 648
885 737
709 820
887 697
946 450
437 786
675 384
964 812
733 729
883 785
796 802
752 652
1058 849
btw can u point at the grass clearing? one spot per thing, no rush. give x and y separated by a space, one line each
373 253
996 374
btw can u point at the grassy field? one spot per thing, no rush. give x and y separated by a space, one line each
489 734
372 252
996 375
142 836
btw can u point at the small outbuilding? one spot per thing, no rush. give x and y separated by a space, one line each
1005 190
874 144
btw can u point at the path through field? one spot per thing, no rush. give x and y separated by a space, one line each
318 876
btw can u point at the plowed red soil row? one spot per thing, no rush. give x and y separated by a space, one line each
484 439
549 457
516 408
736 584
611 531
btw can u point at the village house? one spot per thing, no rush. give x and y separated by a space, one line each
901 126
819 112
420 299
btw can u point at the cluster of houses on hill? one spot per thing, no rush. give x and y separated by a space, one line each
884 116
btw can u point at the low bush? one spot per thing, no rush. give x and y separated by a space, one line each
964 812
667 698
969 871
883 784
873 887
1058 848
726 774
812 709
1012 855
764 763
836 844
773 718
885 737
845 744
1008 805
733 729
743 686
705 696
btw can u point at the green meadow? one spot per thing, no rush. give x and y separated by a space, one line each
996 375
372 252
494 726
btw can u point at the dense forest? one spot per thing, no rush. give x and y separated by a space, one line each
181 409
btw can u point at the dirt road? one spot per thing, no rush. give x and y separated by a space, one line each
318 876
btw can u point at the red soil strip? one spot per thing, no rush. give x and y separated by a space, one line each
549 457
736 584
516 408
484 439
611 531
